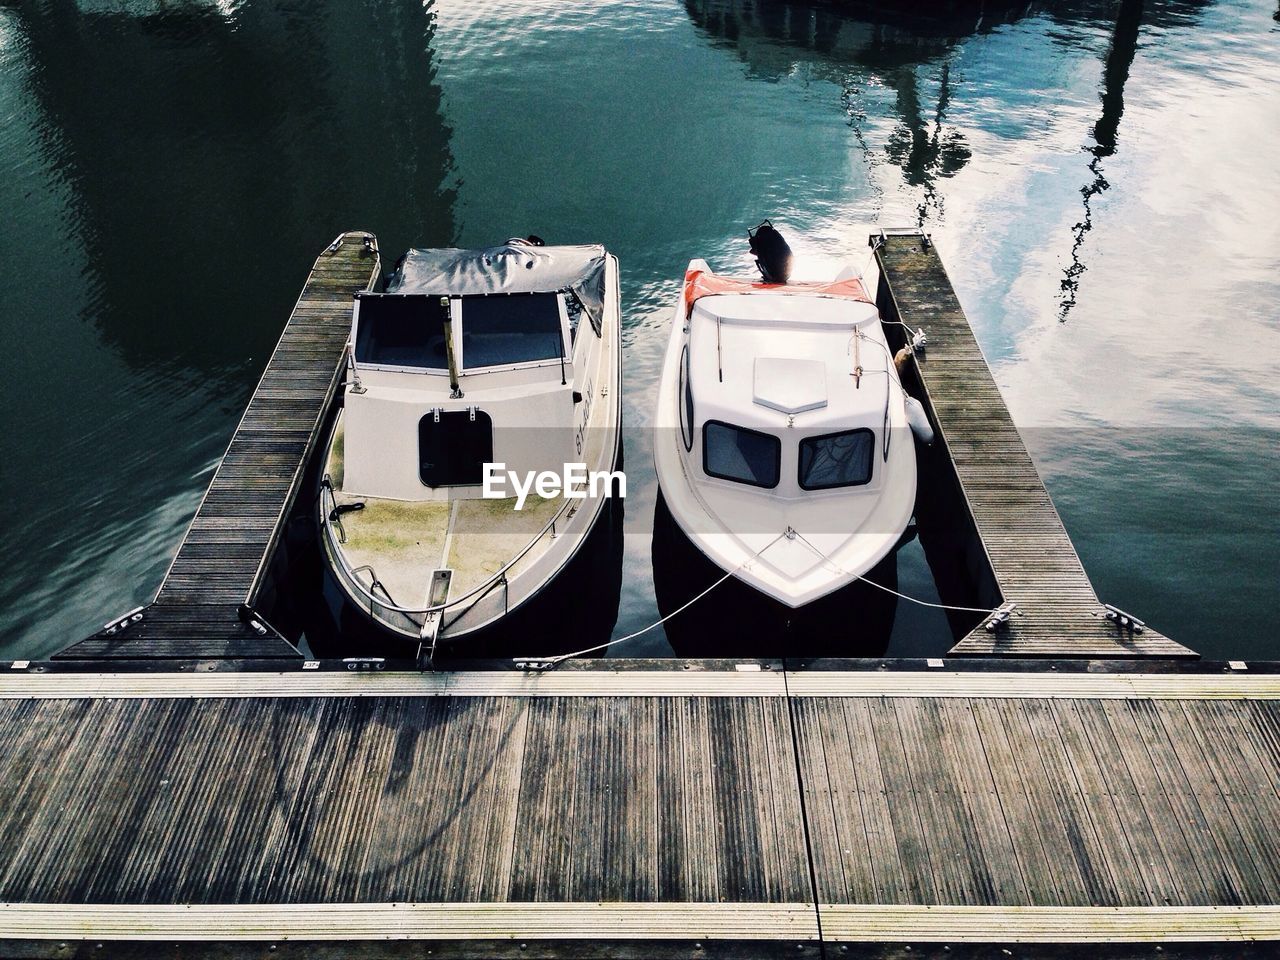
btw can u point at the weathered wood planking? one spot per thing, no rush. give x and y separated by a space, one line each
1030 802
639 819
1029 552
400 799
223 558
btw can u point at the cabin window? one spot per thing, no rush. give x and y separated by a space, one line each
401 331
686 401
502 329
453 450
836 460
739 454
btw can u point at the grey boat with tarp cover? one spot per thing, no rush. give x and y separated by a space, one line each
503 355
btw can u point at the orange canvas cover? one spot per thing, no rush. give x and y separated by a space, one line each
704 283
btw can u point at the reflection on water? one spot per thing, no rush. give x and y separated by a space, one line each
168 172
1124 45
171 174
860 44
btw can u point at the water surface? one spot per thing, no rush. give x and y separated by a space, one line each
1099 178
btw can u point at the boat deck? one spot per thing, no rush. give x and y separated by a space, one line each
401 542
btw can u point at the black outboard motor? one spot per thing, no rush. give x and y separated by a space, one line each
772 254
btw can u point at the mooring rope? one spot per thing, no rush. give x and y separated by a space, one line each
880 586
547 663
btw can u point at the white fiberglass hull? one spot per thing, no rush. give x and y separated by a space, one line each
501 560
794 550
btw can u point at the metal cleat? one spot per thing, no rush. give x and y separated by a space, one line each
999 618
1125 621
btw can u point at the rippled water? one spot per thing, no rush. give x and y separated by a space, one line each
1099 177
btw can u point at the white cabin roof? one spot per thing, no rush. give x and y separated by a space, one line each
760 361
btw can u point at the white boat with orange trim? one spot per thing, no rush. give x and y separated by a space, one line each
783 448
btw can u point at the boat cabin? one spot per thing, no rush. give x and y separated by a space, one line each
788 393
440 384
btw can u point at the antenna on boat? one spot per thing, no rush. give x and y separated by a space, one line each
455 392
719 361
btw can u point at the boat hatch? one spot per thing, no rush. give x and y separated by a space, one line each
790 386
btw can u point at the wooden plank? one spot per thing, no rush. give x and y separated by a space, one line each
948 822
889 878
995 860
904 803
1120 816
1210 819
1086 809
828 827
1224 746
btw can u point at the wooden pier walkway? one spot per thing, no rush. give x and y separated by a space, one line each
222 562
653 811
1028 552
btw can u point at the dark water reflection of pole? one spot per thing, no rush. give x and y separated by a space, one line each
856 45
1124 46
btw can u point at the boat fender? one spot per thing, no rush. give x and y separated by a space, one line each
918 420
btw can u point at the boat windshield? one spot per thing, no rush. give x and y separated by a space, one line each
501 329
739 454
400 331
836 460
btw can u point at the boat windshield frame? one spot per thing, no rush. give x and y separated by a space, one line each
456 331
816 438
777 462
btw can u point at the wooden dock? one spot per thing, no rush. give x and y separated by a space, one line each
1022 542
206 606
982 806
653 811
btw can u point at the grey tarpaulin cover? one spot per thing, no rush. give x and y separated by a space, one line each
510 268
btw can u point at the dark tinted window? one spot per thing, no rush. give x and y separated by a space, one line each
510 328
686 402
401 331
836 459
735 453
453 450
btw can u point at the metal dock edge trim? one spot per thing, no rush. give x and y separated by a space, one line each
959 924
410 921
849 923
146 686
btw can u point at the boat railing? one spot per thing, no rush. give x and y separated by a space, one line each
395 613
